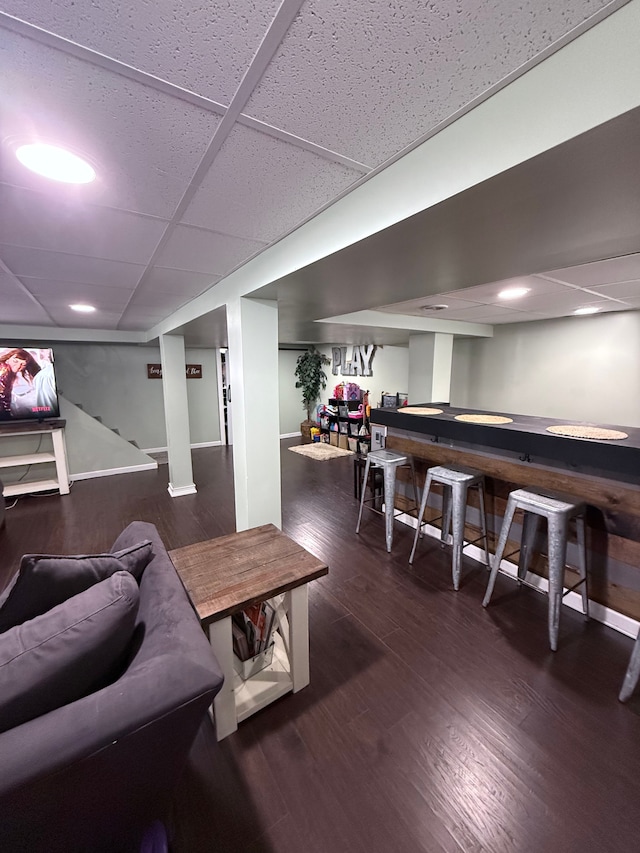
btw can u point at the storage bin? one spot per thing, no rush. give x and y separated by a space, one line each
342 442
247 668
333 438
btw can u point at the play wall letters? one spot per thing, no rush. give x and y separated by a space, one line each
358 365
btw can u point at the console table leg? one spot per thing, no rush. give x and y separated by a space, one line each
297 601
224 704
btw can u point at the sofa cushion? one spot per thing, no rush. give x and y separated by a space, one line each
67 652
44 581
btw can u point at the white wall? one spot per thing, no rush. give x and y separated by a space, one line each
292 412
578 368
110 380
390 373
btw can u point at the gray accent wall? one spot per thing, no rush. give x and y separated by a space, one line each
578 368
110 381
390 373
292 412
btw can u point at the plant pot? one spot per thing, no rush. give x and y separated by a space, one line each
305 429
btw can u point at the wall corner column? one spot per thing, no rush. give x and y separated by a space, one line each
176 415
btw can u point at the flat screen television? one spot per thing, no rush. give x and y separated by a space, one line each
28 389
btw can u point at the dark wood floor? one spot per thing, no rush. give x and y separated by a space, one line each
429 725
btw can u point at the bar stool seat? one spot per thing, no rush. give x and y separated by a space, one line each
558 511
456 482
389 461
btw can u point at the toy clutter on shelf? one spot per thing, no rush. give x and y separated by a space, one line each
344 422
347 391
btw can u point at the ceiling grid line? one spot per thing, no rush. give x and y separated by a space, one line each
279 27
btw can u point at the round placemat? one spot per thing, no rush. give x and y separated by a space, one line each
577 431
484 419
419 410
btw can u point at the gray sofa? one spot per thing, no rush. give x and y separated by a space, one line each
95 774
2 509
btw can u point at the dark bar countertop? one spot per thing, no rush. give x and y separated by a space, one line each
526 436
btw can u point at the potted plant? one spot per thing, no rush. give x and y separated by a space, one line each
312 379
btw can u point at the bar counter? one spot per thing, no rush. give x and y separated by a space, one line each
522 454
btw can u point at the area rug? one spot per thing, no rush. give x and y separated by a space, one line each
321 451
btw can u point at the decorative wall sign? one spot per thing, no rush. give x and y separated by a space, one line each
358 365
193 371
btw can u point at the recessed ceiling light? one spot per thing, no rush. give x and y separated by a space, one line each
55 163
83 309
513 293
588 309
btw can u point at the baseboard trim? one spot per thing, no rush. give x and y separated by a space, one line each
108 472
178 491
290 435
198 444
611 618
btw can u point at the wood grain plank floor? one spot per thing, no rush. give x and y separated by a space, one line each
430 724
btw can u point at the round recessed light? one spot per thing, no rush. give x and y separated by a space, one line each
55 163
588 309
83 309
513 292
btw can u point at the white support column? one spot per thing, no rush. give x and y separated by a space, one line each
252 326
430 360
176 415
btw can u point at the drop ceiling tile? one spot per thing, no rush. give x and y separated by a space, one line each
609 271
56 294
604 306
366 79
488 294
622 290
25 313
482 314
205 251
204 47
136 319
261 188
145 145
419 307
158 302
68 224
164 280
550 303
71 319
54 266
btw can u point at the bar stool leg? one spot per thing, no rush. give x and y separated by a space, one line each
413 482
483 524
502 541
365 480
447 498
423 504
632 674
530 527
459 500
582 562
389 497
557 535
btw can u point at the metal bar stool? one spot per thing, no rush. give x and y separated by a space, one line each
389 461
632 674
456 482
558 513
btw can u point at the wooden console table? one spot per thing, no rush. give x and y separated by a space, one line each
227 574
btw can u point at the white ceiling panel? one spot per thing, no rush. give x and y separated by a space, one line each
488 294
204 47
144 144
139 319
626 268
205 251
261 188
67 224
24 313
56 294
420 307
54 266
163 280
484 314
367 79
622 290
558 302
74 320
160 303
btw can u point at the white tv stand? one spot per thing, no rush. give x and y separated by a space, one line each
58 455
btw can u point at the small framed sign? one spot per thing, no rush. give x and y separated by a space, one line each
193 371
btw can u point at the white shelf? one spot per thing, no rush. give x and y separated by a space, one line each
58 456
28 459
25 487
265 686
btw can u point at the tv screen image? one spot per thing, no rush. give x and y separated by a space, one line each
28 388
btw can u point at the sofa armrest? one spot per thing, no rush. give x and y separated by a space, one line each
92 774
